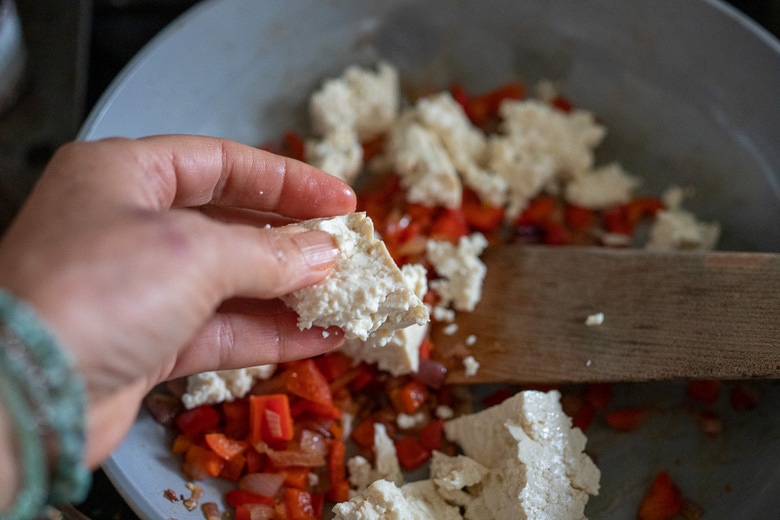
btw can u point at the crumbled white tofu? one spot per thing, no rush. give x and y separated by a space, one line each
595 319
680 229
452 475
470 366
601 188
408 422
471 340
223 385
537 466
444 412
386 466
460 269
675 228
383 500
426 171
443 314
361 100
465 144
365 293
401 354
450 329
540 145
339 153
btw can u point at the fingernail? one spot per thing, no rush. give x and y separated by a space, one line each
318 247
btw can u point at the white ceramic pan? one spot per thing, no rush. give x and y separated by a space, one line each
689 91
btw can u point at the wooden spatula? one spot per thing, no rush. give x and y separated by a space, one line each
689 315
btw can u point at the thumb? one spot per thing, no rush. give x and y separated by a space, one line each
272 262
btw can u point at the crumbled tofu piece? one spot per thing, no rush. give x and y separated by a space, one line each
386 466
401 354
538 468
470 366
601 188
444 412
452 475
339 153
460 269
465 144
594 320
365 293
383 500
450 329
361 100
408 422
223 385
443 314
675 228
540 145
421 160
471 340
680 229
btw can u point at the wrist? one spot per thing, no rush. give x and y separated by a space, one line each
9 468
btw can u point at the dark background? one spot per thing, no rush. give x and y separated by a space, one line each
76 48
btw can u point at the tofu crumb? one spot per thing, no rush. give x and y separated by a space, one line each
594 320
471 340
471 366
450 329
444 412
366 294
325 333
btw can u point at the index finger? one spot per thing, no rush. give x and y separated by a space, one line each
187 170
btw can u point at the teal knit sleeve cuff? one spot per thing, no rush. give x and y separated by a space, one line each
45 399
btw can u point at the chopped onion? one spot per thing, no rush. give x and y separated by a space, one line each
312 442
267 484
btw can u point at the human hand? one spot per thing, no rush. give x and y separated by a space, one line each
149 261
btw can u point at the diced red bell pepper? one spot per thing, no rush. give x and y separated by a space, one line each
363 434
616 221
233 468
539 210
270 418
298 504
411 455
336 456
409 397
197 421
255 461
431 435
662 501
641 207
236 418
242 497
373 147
554 233
479 216
224 446
705 391
322 410
200 462
305 380
334 365
180 444
338 492
366 374
627 419
578 218
562 104
449 225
